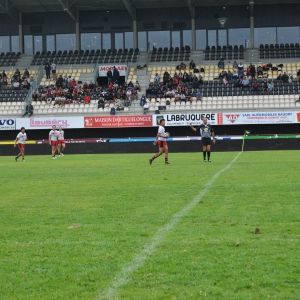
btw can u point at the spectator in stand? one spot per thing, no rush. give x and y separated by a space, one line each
192 65
241 73
17 74
85 87
146 107
157 78
4 81
240 66
271 86
28 110
182 66
26 74
285 78
265 87
248 71
35 95
235 65
279 78
3 74
235 75
225 81
60 81
53 70
73 83
200 81
25 85
101 103
16 85
115 75
143 101
255 87
259 71
252 71
221 64
109 76
245 82
298 74
87 99
91 87
230 76
239 82
290 78
137 86
47 69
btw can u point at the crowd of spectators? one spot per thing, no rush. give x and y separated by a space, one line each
18 81
67 90
241 75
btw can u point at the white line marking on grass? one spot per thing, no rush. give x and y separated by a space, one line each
123 277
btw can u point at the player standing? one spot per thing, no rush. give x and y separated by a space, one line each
53 137
20 139
206 132
61 141
161 138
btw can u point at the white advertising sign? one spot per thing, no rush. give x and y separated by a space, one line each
258 117
185 119
44 123
7 124
121 68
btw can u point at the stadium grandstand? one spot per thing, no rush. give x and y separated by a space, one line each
152 43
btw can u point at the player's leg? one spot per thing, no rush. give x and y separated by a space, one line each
63 148
58 148
204 150
54 148
160 152
20 153
166 154
208 152
23 153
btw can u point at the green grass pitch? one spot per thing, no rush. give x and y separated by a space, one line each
114 227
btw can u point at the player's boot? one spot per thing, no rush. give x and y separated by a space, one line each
204 160
23 160
167 163
16 158
150 161
61 154
209 160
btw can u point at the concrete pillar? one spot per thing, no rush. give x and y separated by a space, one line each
78 42
193 34
21 40
251 7
135 35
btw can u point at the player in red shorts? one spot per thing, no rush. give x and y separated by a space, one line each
21 139
61 142
53 140
162 143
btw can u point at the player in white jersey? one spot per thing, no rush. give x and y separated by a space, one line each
61 141
161 140
21 140
53 140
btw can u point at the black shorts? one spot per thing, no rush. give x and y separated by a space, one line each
53 71
206 141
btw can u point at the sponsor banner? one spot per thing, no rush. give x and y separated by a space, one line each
47 123
185 119
258 118
121 68
118 121
7 124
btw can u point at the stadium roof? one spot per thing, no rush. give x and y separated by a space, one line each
15 7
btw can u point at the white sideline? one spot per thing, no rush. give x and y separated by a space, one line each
123 277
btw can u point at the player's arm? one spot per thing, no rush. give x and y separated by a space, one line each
16 141
192 127
50 140
213 135
155 142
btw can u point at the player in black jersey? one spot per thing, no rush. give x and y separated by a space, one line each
206 132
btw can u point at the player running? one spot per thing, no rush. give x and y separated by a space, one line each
21 139
206 132
53 137
61 142
162 143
